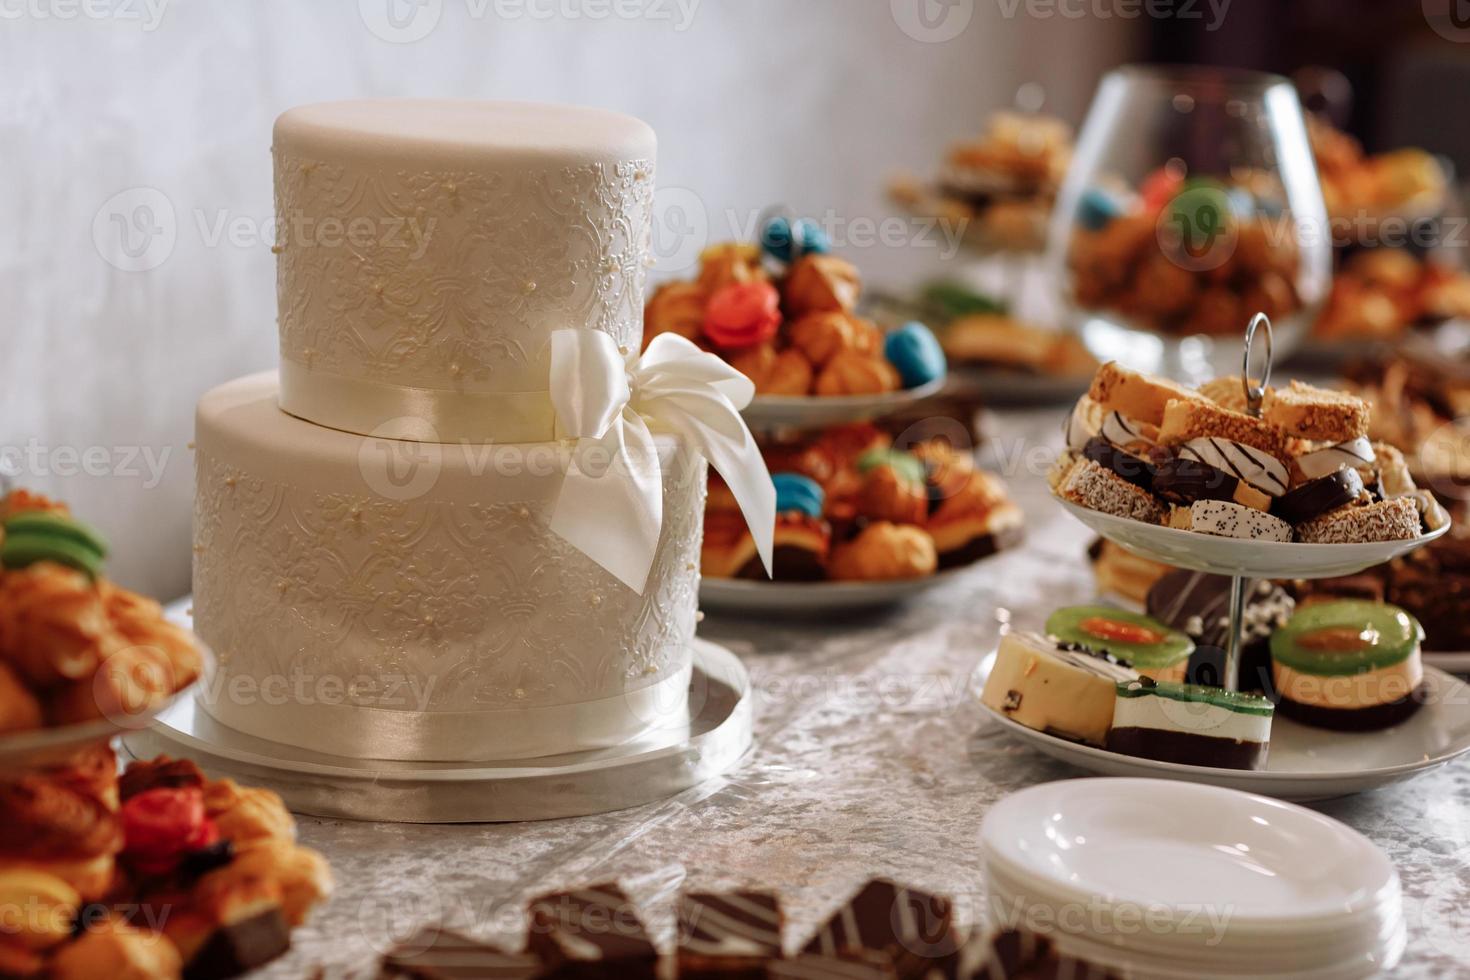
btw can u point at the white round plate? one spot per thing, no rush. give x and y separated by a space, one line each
1235 556
51 746
1454 663
1304 763
732 595
815 411
1150 842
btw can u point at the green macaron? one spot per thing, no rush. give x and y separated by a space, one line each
37 536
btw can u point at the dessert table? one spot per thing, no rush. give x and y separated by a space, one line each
872 757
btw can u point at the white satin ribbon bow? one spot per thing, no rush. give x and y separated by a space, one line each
611 503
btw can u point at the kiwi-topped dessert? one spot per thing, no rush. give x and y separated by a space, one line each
1150 647
1348 665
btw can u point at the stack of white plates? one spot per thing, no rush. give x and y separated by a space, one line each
1158 878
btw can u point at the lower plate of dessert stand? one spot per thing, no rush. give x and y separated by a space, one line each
1303 763
655 766
53 746
734 595
815 411
1238 556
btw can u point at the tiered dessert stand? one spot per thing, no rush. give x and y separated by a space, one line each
1304 763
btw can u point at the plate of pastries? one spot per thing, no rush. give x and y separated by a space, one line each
1333 697
1187 476
159 873
1384 294
1007 360
783 312
81 657
860 521
999 187
1407 183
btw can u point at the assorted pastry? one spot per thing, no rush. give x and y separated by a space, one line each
999 188
1075 686
1183 256
783 312
596 931
1383 293
1409 181
850 506
1152 450
156 875
74 646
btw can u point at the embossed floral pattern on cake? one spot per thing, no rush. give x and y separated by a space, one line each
453 280
454 606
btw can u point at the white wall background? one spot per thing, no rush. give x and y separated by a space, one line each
124 115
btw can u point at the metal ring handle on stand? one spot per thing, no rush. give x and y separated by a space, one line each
1254 394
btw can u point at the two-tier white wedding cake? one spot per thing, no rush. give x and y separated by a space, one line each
402 549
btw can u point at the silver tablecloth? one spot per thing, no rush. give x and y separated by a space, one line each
871 758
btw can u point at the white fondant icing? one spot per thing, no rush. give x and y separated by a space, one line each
1080 425
1120 430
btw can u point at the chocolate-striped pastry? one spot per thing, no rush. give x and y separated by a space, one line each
1199 604
913 928
1013 954
728 935
1135 469
1317 497
1123 431
1183 480
435 953
1081 424
1353 454
1253 466
592 931
852 965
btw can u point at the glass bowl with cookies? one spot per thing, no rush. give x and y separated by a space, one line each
783 311
1192 201
81 658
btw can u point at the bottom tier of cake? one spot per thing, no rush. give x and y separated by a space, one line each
379 598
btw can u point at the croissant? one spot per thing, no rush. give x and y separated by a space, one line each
851 373
53 626
675 307
19 709
92 772
885 551
243 813
790 374
818 283
218 900
302 873
729 262
118 951
821 335
141 622
53 828
159 773
126 684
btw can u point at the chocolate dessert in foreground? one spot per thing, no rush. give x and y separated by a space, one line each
591 932
728 935
1191 725
913 928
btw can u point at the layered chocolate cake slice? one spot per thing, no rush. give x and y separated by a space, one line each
1191 724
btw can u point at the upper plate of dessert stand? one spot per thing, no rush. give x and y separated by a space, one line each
1238 556
54 746
767 412
1303 763
734 595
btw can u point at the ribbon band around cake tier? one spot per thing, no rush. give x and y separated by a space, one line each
390 411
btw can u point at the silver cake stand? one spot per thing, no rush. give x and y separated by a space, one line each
658 765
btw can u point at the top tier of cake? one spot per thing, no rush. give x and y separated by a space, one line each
427 249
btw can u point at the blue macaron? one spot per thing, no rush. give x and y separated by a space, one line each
915 353
1097 209
776 238
798 493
